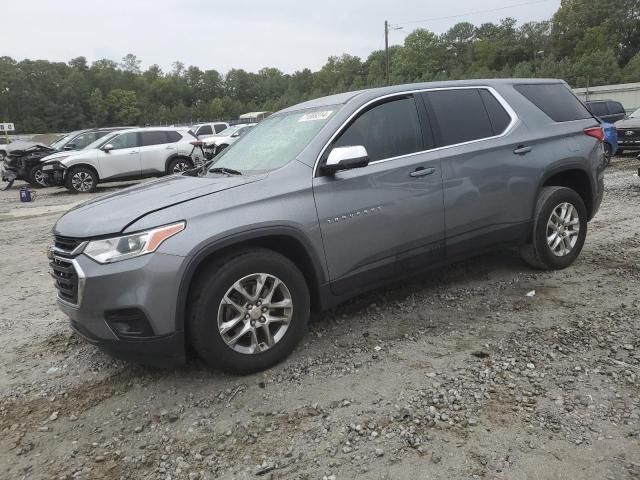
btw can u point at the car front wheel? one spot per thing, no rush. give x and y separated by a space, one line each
37 178
559 229
81 180
248 311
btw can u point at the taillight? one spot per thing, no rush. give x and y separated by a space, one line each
197 143
595 132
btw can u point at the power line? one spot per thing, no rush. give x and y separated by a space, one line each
433 19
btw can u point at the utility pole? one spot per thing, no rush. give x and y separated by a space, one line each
386 50
387 28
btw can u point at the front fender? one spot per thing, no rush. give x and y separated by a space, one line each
206 249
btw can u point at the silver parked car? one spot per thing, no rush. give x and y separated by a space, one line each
125 155
322 201
214 144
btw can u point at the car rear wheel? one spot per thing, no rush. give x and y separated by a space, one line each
179 165
37 178
81 180
559 229
248 311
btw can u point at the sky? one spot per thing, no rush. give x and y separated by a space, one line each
250 34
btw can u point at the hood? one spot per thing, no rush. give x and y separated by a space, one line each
111 214
55 157
628 123
22 147
215 140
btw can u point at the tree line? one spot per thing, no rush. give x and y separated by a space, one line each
586 43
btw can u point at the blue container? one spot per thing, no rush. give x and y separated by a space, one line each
26 195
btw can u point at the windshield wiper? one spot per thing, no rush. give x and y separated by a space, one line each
225 170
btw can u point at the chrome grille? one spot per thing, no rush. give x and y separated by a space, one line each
65 279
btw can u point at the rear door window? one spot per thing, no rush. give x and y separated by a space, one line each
386 130
460 115
219 127
173 137
156 137
555 100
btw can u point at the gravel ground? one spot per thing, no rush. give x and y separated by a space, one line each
459 374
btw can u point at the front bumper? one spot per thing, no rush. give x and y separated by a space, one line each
54 174
624 144
147 285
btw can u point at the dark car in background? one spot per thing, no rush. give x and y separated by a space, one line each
629 132
609 111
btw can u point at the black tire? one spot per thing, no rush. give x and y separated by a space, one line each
36 177
220 149
81 180
608 153
206 297
179 165
538 253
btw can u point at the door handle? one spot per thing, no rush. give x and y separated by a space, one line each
133 153
522 150
422 172
169 147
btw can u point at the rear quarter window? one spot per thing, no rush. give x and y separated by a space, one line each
555 100
499 117
173 137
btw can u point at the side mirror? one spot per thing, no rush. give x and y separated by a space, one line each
237 134
346 158
107 148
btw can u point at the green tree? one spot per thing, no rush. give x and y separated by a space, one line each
123 107
421 58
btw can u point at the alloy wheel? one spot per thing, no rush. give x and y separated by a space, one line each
563 228
255 313
181 167
39 177
82 181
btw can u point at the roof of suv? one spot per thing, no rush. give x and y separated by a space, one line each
155 129
343 98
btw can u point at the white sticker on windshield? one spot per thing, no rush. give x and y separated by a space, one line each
310 117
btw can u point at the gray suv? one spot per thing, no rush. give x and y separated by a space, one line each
323 201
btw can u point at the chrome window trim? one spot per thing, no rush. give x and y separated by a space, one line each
510 111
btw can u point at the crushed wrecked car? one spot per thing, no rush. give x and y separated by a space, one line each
23 162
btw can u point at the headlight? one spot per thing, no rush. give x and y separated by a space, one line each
115 249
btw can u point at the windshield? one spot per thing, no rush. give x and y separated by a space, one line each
275 141
635 114
58 144
227 132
